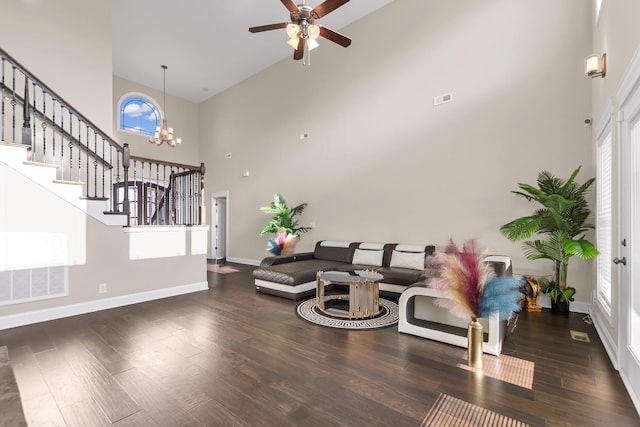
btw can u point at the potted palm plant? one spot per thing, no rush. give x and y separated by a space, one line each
284 225
560 222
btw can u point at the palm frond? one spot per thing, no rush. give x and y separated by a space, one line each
581 248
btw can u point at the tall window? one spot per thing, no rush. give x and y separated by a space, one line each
604 224
138 114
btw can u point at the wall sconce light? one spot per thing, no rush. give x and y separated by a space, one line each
596 66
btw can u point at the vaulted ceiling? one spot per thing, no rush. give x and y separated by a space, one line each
206 43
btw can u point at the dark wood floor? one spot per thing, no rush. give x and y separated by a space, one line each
229 356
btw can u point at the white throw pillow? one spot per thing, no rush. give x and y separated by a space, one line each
367 257
412 260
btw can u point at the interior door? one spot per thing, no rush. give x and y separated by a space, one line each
219 234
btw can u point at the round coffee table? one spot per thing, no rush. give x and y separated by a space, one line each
364 290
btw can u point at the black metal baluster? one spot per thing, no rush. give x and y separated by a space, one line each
33 139
79 149
43 124
62 140
104 157
3 100
114 194
95 164
26 120
88 183
157 192
13 106
53 129
111 192
125 164
70 145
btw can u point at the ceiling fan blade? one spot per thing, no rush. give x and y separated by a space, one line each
299 52
268 27
290 5
326 7
335 37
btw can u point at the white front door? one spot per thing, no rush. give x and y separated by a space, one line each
628 256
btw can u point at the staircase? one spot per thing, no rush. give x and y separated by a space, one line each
45 174
48 140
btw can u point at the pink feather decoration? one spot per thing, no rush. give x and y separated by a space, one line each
462 278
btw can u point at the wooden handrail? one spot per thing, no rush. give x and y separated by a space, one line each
60 99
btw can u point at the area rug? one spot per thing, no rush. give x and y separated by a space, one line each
388 317
448 411
224 269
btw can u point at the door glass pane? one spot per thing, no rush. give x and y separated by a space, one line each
604 221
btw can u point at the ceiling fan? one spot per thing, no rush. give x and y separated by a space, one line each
302 30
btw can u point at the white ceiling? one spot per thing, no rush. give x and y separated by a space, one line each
206 43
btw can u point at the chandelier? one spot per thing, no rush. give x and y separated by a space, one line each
164 133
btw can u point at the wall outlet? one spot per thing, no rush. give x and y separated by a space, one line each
102 288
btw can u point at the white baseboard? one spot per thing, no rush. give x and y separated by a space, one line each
243 261
575 306
30 317
606 339
631 390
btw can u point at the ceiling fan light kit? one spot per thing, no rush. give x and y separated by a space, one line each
303 31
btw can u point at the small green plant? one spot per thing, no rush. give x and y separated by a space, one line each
285 218
555 292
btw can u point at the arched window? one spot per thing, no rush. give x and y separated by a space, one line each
138 114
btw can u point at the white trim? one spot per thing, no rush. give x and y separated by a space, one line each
629 385
574 307
607 341
164 228
244 261
630 79
30 317
288 289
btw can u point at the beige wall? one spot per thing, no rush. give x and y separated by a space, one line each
66 44
97 253
382 163
182 115
618 34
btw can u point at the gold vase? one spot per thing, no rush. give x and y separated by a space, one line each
474 348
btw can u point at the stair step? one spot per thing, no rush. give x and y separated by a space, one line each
62 181
41 164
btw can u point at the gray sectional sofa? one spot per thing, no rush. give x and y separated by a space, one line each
294 276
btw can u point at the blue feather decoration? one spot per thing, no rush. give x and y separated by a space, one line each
501 295
273 247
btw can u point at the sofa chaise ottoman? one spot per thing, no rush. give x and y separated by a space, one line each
294 276
420 316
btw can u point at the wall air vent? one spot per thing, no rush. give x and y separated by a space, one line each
442 99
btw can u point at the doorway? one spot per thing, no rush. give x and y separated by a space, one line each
220 225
